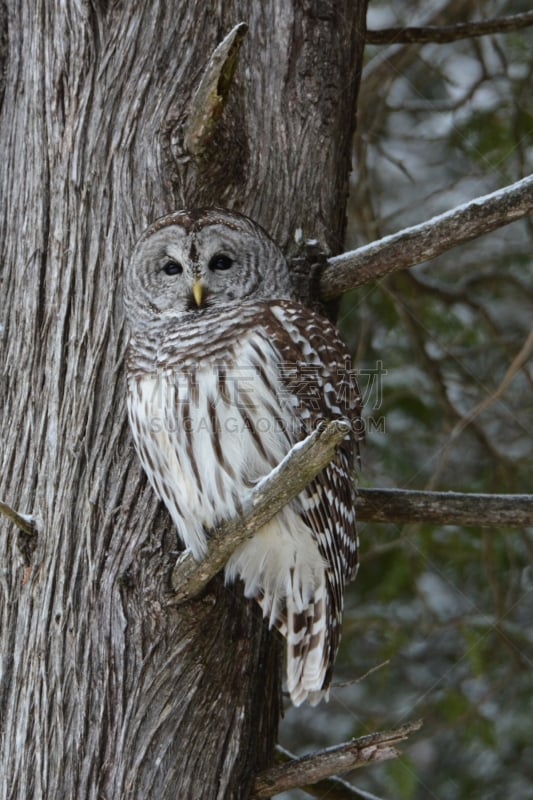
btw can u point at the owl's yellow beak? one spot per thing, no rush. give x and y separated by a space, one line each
198 292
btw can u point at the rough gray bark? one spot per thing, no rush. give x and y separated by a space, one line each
105 691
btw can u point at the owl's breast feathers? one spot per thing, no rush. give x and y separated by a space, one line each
289 358
314 362
215 402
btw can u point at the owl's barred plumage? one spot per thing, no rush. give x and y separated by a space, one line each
226 371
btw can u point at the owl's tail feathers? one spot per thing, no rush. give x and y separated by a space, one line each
287 576
308 653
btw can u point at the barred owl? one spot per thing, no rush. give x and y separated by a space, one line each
226 371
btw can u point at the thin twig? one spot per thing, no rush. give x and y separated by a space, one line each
518 362
449 33
445 508
422 242
516 365
353 681
364 676
309 769
303 463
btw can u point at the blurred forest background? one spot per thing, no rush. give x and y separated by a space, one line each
449 608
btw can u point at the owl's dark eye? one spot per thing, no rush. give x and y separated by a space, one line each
172 268
220 262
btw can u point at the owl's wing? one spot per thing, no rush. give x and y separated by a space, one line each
321 385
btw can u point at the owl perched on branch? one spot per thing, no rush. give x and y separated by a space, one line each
226 372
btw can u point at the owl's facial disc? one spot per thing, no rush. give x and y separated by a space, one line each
192 261
185 272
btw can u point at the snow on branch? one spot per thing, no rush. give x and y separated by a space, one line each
342 758
422 242
23 521
302 463
27 535
449 33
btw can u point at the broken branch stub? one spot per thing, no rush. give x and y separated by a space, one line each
208 101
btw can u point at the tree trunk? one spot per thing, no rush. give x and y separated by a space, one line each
106 691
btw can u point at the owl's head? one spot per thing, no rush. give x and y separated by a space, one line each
198 259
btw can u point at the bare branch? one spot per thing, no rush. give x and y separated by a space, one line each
428 239
209 99
24 522
449 33
303 463
299 467
304 771
332 788
445 508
